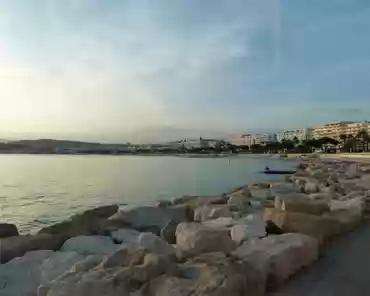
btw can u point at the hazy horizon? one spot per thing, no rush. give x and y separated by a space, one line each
116 71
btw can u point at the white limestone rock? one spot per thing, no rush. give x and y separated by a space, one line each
155 244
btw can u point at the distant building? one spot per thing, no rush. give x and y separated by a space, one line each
243 140
335 130
202 143
301 134
263 139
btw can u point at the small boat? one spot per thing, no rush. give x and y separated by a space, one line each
278 172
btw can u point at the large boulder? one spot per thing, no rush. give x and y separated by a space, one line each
312 225
342 221
305 206
222 222
132 255
355 204
170 286
285 254
261 193
90 245
90 222
155 244
211 274
145 218
195 238
122 275
250 227
204 213
311 187
216 275
8 230
21 276
17 246
323 197
240 200
57 264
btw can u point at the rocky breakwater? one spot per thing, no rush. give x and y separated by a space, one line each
242 243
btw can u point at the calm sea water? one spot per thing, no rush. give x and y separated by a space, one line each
38 190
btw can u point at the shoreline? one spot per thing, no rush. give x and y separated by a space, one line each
292 218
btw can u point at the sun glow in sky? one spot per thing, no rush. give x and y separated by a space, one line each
113 70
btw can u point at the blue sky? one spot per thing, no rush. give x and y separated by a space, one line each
113 70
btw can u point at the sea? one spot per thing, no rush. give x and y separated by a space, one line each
39 190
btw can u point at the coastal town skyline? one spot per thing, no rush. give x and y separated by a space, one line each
335 130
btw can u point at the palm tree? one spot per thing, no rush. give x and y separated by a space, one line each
295 140
363 135
343 137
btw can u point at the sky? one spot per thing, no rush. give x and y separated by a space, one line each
123 70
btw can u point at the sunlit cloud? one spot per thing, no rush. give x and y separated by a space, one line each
114 70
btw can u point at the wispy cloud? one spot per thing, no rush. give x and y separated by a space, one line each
108 69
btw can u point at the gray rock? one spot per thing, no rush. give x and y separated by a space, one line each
87 263
8 230
307 206
142 218
240 201
155 244
125 257
17 246
22 276
122 276
207 212
261 193
218 275
311 187
171 286
253 226
223 222
90 245
195 238
57 264
285 254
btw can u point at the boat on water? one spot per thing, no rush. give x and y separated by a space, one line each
278 172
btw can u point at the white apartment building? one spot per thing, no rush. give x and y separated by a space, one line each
262 139
300 133
335 130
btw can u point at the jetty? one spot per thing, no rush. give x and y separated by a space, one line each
307 234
